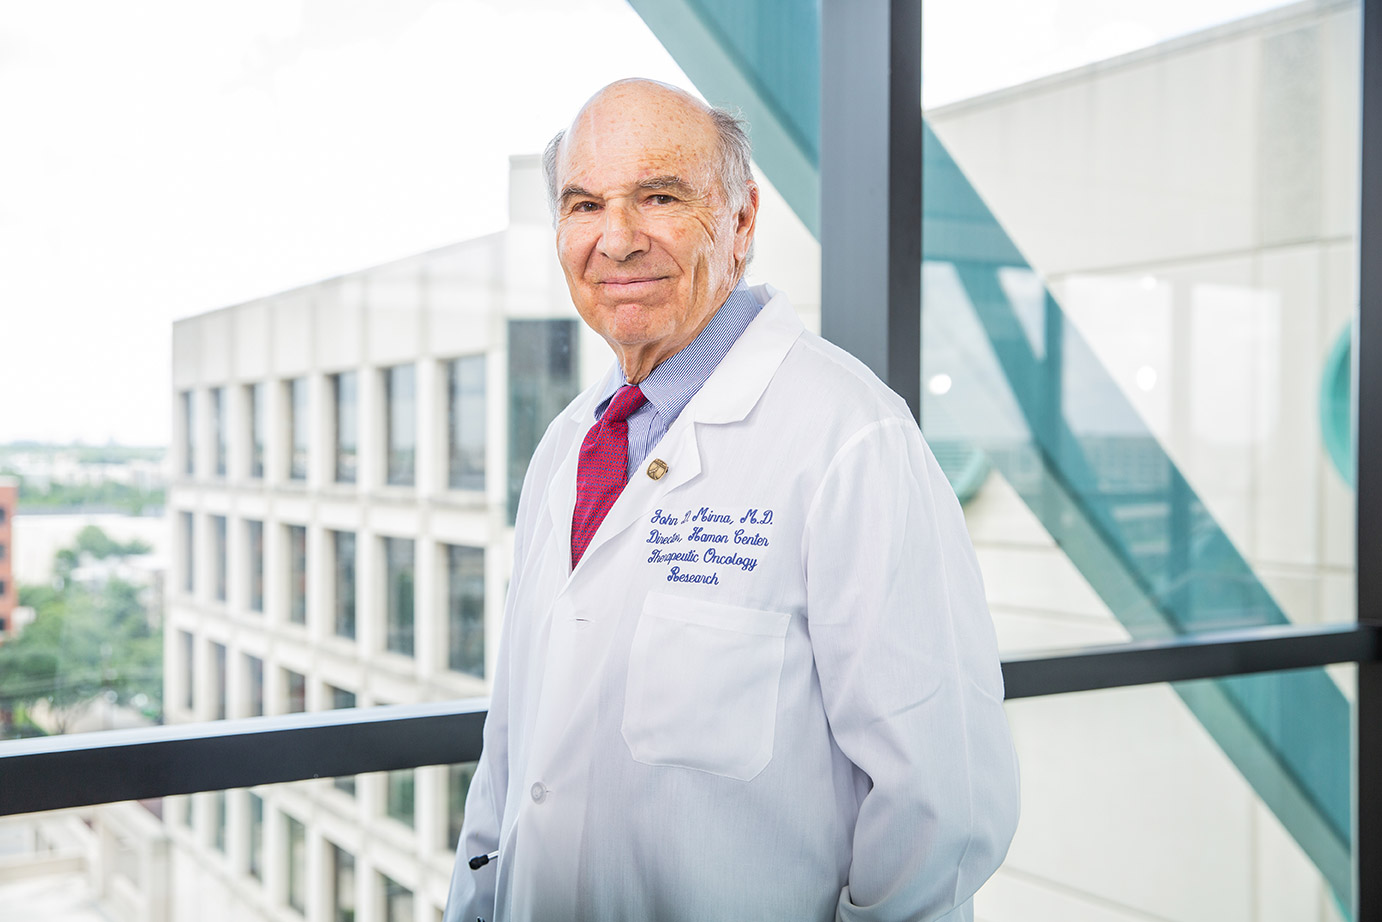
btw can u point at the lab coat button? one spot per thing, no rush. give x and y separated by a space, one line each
539 792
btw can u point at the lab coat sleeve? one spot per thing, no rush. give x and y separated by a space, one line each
908 665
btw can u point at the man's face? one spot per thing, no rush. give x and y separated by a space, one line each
646 238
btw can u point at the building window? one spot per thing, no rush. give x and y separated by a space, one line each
398 796
542 380
297 574
218 681
255 857
340 699
343 388
218 821
188 559
465 423
297 429
457 788
189 433
188 689
344 596
401 423
465 573
255 401
218 428
398 584
3 549
295 691
254 674
218 556
297 864
398 900
342 885
254 535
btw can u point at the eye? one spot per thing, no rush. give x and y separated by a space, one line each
584 207
662 198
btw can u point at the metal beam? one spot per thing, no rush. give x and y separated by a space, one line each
1367 364
871 187
80 769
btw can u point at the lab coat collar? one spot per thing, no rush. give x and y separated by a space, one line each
727 396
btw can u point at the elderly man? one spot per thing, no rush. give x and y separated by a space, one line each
747 670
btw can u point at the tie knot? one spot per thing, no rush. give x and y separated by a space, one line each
624 402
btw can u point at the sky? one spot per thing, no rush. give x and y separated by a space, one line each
160 159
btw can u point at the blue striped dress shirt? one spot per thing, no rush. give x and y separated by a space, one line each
670 386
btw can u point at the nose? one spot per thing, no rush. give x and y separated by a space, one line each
622 235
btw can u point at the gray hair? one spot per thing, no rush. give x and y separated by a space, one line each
736 155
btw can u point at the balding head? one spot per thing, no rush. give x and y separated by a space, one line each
733 172
653 229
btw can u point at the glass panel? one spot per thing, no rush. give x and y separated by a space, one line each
342 885
189 432
1130 810
398 901
188 545
458 778
254 681
218 428
343 387
186 644
254 534
465 567
401 425
296 864
543 378
1140 260
254 836
297 574
256 429
466 423
297 428
344 548
218 681
399 796
218 557
398 586
294 691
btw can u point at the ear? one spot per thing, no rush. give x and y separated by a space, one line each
744 223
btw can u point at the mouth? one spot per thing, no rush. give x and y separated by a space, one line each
631 282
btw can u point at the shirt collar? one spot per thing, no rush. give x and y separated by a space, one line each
670 386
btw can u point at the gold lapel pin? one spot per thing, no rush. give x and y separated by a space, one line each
657 468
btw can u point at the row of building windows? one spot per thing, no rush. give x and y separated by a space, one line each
465 425
395 899
465 585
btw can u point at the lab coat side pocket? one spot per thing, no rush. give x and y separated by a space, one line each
703 684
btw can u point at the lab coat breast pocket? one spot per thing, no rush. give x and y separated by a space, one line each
702 685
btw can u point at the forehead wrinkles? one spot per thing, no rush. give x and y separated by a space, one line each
631 143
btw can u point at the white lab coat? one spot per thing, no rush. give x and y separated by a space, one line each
769 691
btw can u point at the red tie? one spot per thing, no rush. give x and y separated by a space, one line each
603 468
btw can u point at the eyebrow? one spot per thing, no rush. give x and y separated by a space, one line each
670 181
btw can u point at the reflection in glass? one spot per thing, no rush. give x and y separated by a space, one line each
343 543
343 388
401 423
398 586
297 429
297 574
465 569
465 422
254 537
